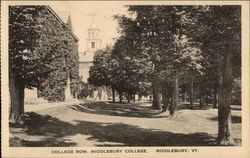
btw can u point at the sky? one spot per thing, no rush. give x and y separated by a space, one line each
81 18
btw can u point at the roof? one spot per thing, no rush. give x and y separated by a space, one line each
60 20
69 24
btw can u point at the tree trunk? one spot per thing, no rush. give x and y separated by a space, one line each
207 99
150 97
113 95
133 97
165 98
100 93
156 95
201 100
76 94
224 108
128 98
201 94
191 91
175 98
139 97
17 99
215 97
39 95
196 94
120 96
185 96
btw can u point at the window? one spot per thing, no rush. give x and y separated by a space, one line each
89 34
92 45
93 34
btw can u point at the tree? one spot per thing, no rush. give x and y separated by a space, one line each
129 67
121 68
99 73
210 38
218 29
21 44
229 48
37 42
161 38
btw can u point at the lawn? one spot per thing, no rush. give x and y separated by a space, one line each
109 124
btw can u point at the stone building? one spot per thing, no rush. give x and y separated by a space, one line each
34 96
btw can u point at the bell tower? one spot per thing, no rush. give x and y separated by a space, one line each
93 42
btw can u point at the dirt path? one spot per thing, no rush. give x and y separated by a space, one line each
106 124
41 106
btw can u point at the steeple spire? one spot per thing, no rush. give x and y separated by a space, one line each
69 23
93 24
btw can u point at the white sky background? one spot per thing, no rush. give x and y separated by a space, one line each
81 19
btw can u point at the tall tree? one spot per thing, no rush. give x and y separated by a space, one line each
160 33
36 42
218 29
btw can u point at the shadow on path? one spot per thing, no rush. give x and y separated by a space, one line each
235 119
116 109
139 109
54 132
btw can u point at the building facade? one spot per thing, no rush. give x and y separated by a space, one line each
86 58
93 43
50 89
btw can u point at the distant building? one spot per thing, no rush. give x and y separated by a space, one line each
93 43
86 58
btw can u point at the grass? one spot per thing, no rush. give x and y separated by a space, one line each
109 124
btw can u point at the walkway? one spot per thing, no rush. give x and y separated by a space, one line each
108 124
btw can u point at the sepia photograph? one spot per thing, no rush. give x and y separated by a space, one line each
104 76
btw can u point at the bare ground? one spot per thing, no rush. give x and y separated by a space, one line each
109 124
